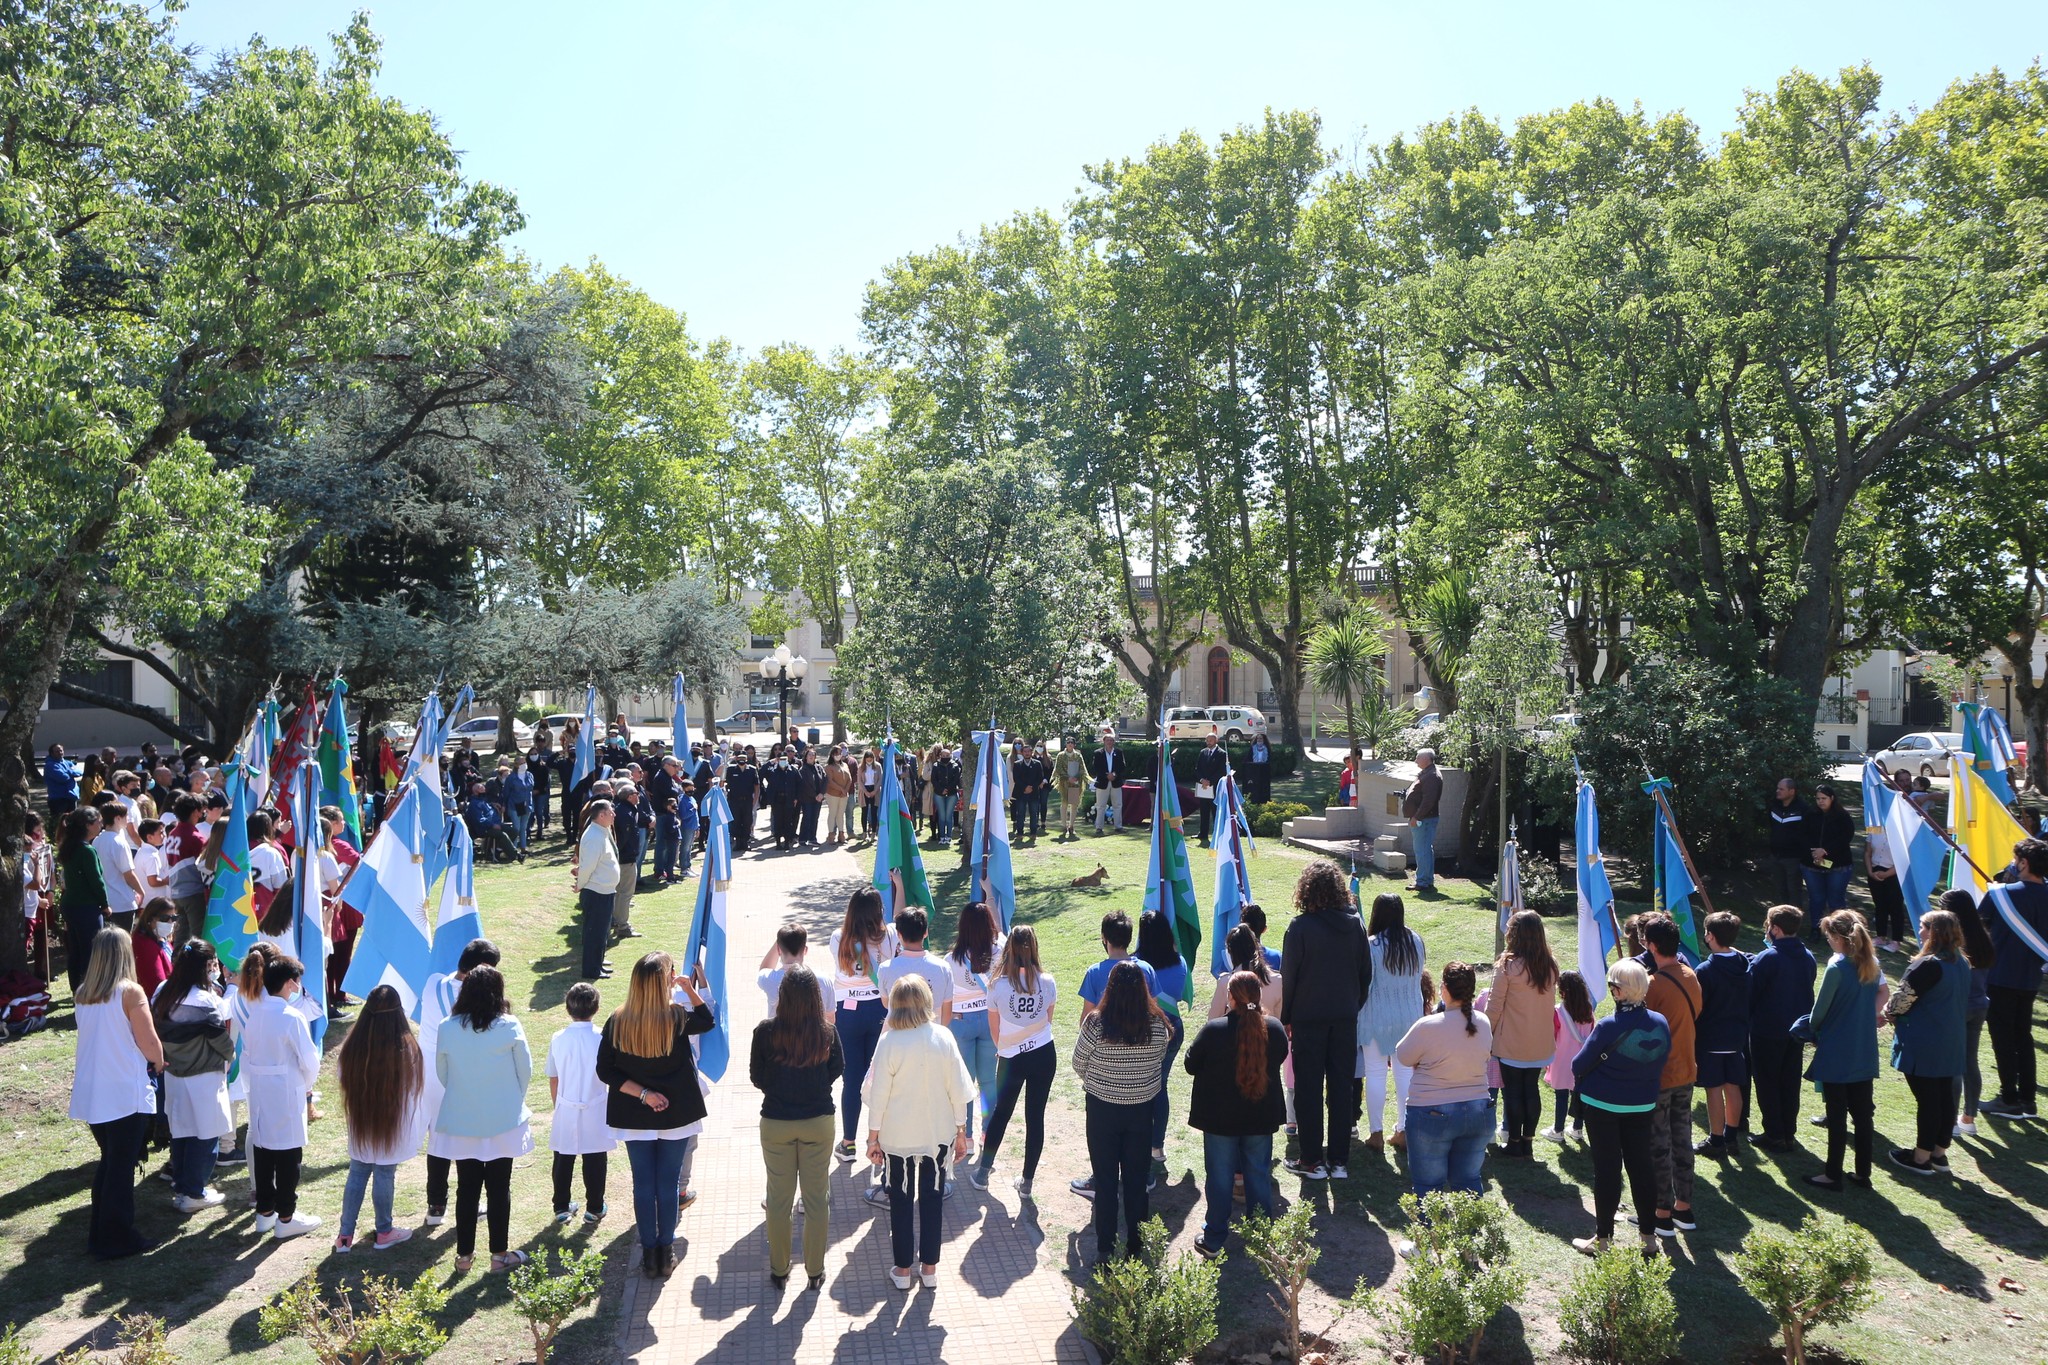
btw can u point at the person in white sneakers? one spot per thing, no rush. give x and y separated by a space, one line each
383 1083
436 1002
579 1129
282 1063
192 1020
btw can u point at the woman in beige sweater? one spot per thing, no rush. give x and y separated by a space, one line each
1522 1008
918 1096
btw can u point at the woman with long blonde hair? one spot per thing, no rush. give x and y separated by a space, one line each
1843 1027
1021 996
111 1090
655 1104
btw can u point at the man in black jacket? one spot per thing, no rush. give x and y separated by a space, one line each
1325 976
1792 823
1210 765
1106 767
1027 788
742 785
945 780
810 796
780 782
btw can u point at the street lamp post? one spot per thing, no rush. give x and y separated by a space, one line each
786 672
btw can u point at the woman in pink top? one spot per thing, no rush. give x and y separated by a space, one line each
1572 1026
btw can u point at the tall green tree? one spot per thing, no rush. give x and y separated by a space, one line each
172 248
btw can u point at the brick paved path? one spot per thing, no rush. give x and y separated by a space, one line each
1001 1300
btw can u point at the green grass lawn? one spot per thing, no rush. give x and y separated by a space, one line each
1946 1243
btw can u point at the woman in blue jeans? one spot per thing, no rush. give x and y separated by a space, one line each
859 947
1450 1114
1828 871
655 1103
1238 1103
977 946
1157 948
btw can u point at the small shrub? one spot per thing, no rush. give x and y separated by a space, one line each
1542 889
1818 1276
391 1325
13 1350
1620 1310
548 1299
1285 1249
1462 1274
1142 1311
140 1339
1268 816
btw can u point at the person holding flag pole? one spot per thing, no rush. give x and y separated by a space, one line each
989 848
1233 877
1599 934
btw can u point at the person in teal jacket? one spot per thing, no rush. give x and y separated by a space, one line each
1930 1013
484 1064
1843 1027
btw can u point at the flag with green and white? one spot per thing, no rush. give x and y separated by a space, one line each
1169 881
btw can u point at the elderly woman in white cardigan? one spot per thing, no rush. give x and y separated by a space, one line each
918 1094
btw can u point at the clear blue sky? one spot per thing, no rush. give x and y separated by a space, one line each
756 164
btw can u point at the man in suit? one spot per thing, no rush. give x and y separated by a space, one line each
1210 765
1106 767
742 785
810 795
1027 786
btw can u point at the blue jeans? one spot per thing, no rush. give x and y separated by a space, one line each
1162 1106
192 1164
942 817
667 835
657 1177
1425 855
379 1180
860 1029
1447 1145
1225 1158
519 819
1826 889
978 1050
686 846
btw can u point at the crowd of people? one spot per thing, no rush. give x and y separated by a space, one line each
937 1046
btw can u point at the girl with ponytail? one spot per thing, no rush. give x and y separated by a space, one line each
1450 1112
1235 1061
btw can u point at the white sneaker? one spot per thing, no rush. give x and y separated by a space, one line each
1405 1249
1553 1135
292 1227
901 1281
929 1278
1339 1173
265 1222
208 1199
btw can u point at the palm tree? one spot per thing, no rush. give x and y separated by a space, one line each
1345 657
1441 620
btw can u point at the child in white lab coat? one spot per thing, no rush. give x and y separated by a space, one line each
281 1064
579 1128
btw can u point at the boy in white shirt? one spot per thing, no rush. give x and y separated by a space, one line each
117 861
150 867
911 927
791 947
579 1128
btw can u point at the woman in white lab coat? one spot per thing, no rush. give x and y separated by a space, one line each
281 1062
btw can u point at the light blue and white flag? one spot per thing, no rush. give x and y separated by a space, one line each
707 934
1233 874
458 921
679 722
1999 897
1917 851
426 741
1597 940
309 936
458 711
389 890
1989 744
988 851
1508 886
585 766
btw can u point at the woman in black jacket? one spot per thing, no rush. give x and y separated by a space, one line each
1238 1104
795 1060
655 1105
1829 869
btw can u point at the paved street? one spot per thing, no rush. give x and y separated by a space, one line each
1000 1300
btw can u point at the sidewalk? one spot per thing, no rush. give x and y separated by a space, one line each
1000 1299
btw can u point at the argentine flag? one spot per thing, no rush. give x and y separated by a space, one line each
896 841
1917 851
1509 886
679 722
458 921
988 853
389 890
707 934
585 764
1233 877
1597 939
1989 745
1674 886
425 739
309 938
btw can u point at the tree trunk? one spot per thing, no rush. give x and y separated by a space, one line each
17 742
1806 642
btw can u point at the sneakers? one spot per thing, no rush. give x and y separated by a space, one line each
295 1225
568 1214
878 1195
687 1198
1591 1246
1340 1173
1711 1145
1902 1157
1307 1170
208 1199
1666 1225
341 1245
1085 1186
928 1278
1024 1187
1405 1249
844 1151
595 1215
977 1176
265 1222
234 1158
1205 1251
387 1240
899 1278
1555 1135
1684 1220
1966 1128
436 1217
2000 1109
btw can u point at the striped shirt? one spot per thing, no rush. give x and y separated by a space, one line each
1116 1073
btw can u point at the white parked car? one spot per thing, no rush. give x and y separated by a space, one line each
482 732
1921 752
1233 723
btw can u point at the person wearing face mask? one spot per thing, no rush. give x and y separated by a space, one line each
282 1063
152 939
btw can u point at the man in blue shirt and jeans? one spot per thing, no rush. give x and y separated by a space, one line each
60 783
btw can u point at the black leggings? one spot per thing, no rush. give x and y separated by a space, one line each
1621 1143
1888 908
1568 1104
1521 1103
1847 1101
595 1165
474 1178
437 1183
276 1177
1030 1074
1934 1099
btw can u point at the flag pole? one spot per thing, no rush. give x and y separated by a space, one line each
1656 787
989 757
